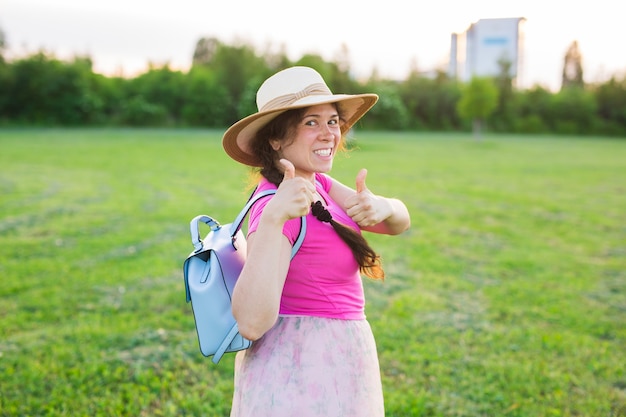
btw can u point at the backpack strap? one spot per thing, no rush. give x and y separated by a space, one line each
234 229
225 343
238 222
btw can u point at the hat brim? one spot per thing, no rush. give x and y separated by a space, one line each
236 140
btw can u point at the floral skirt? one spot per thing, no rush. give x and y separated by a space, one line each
310 366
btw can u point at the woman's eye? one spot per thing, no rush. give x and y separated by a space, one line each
333 122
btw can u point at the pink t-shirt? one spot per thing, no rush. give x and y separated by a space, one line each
323 278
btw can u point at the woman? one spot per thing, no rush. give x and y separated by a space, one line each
313 351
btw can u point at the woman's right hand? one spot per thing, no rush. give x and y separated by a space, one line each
294 195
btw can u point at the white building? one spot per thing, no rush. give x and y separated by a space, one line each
477 51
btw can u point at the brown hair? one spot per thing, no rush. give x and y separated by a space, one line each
283 127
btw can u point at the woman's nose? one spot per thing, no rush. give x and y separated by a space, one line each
327 133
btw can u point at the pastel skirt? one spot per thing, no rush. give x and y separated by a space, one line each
310 366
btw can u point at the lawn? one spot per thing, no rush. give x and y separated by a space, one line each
506 298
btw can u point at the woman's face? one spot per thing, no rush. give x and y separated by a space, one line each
317 137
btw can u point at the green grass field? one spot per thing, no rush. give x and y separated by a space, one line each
506 298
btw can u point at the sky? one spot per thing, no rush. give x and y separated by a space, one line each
391 36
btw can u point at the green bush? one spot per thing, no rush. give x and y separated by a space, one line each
137 111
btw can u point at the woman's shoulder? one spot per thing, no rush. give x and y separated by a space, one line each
323 180
264 185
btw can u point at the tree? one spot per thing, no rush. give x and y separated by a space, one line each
205 51
234 67
479 98
503 115
431 103
390 112
276 59
611 99
342 58
533 110
573 111
206 99
572 68
5 79
2 44
163 87
47 91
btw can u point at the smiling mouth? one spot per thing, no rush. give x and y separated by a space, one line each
323 152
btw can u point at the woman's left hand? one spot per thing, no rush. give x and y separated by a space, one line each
365 208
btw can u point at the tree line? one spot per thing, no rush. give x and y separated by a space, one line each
221 84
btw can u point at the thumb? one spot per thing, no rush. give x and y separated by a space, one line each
360 181
290 170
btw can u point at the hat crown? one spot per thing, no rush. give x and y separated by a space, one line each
288 86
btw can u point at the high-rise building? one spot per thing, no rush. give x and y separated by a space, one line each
480 50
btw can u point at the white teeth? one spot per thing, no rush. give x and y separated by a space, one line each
323 152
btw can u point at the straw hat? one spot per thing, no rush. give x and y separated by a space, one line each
292 88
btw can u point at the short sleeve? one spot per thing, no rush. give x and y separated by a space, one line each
291 228
324 181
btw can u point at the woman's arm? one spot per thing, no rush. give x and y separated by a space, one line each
256 297
371 212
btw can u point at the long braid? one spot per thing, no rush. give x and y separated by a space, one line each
369 261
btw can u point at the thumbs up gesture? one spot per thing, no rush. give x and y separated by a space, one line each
290 170
360 181
294 195
365 208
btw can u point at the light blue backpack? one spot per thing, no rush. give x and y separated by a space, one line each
211 272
